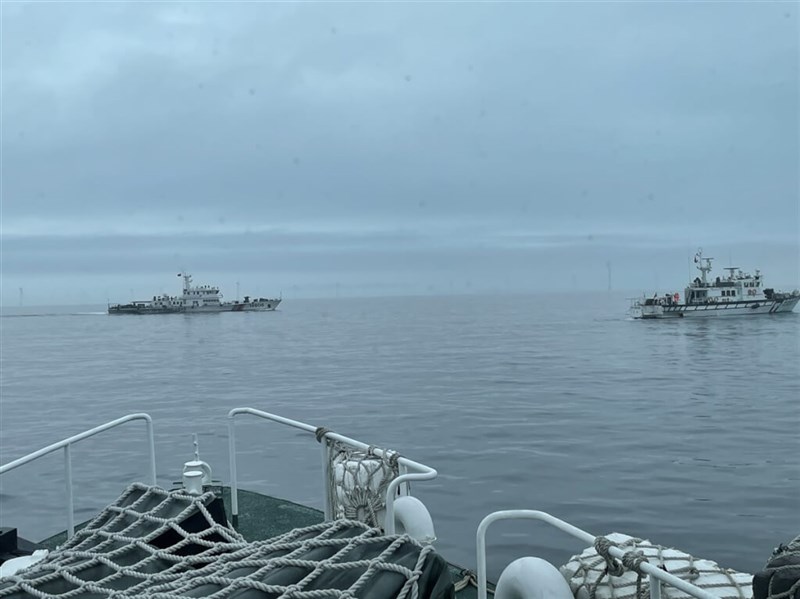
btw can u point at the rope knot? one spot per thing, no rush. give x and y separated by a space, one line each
320 433
633 560
602 545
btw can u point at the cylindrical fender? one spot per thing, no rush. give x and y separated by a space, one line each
532 578
411 517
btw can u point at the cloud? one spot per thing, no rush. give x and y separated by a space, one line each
479 127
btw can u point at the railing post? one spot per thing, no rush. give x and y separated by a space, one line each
326 479
480 546
405 488
68 482
152 443
232 458
655 587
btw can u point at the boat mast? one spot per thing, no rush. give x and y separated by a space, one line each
704 269
187 282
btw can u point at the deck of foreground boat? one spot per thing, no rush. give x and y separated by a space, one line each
352 469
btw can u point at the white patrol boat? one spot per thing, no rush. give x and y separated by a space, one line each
199 298
738 294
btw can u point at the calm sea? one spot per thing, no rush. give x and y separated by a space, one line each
684 432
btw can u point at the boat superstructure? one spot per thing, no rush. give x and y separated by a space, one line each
194 299
737 294
371 540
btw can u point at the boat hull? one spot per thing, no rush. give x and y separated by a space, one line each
261 305
721 309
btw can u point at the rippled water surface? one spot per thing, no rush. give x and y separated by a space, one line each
685 432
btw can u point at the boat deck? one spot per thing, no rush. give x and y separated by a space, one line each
263 517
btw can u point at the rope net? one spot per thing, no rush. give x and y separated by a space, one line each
170 545
780 578
358 481
594 574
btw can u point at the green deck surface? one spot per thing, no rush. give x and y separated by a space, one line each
264 517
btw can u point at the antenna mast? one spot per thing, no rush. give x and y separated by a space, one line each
187 281
704 269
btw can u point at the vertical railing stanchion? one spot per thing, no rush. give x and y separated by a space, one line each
68 483
655 587
405 488
326 478
234 482
152 442
480 546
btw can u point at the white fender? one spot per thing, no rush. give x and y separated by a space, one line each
356 485
532 578
16 564
411 517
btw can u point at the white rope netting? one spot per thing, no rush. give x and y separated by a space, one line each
121 554
358 481
595 575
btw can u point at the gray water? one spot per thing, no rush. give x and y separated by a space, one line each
684 432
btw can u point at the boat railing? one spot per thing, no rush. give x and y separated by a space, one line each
66 446
656 576
409 469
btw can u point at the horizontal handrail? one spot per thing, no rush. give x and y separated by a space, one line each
66 445
421 471
656 575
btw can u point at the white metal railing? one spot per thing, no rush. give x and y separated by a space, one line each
409 469
66 445
655 574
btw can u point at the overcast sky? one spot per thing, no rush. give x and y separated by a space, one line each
394 148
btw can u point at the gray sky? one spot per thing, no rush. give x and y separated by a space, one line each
394 148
